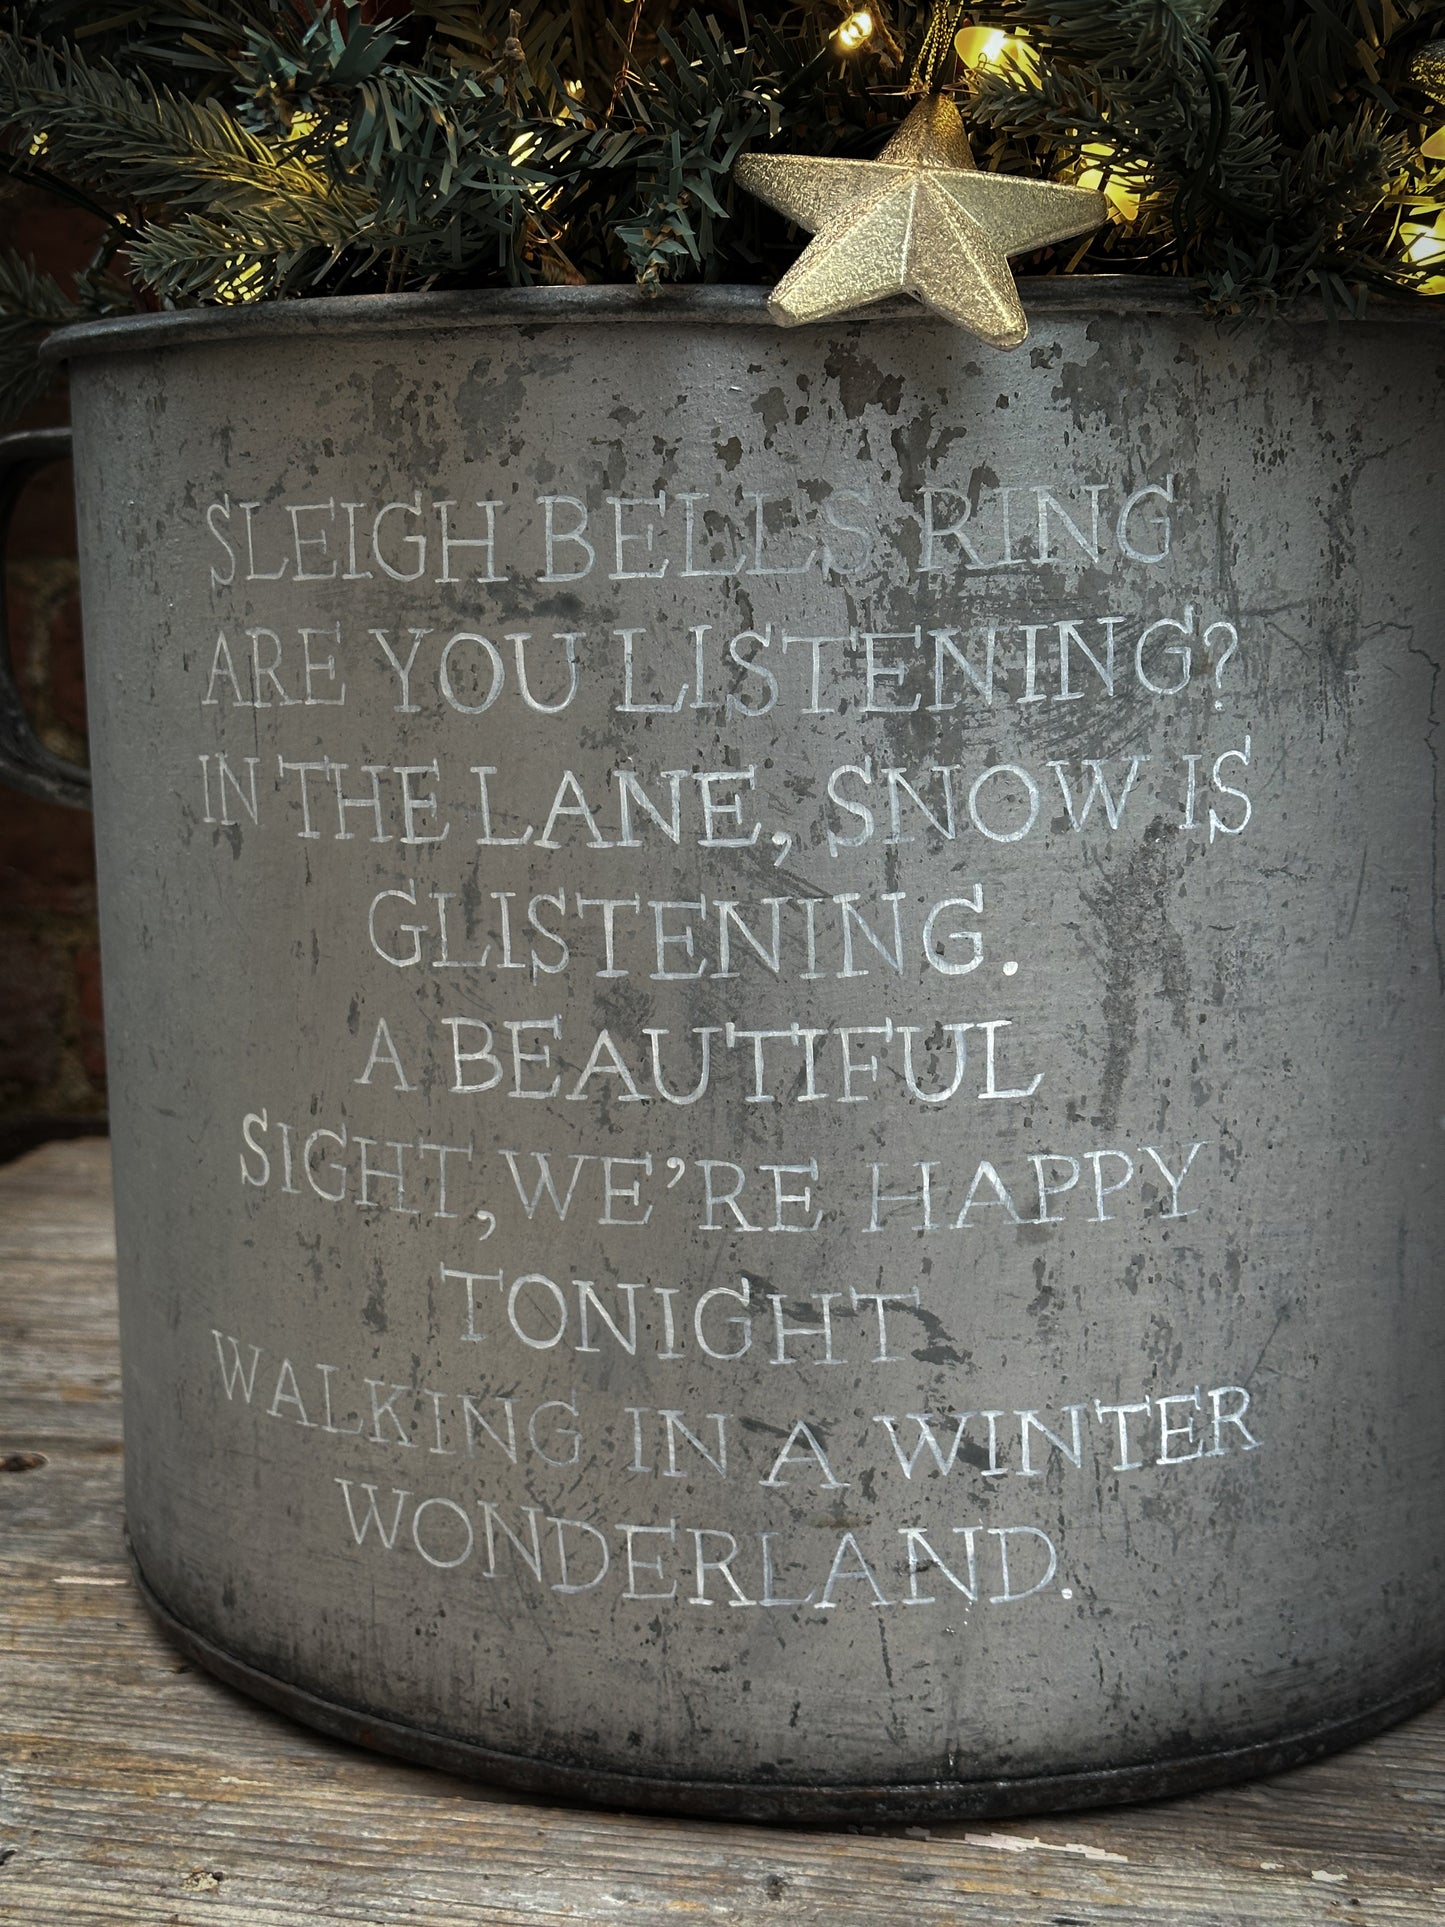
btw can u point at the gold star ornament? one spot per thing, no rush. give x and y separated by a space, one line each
1427 70
919 220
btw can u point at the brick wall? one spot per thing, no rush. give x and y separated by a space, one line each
52 1058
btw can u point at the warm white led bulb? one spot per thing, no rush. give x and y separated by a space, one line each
857 28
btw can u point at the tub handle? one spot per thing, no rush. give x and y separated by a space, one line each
25 762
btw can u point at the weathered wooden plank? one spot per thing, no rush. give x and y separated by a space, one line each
421 1840
134 1829
134 1789
35 1421
143 1725
56 1203
58 1340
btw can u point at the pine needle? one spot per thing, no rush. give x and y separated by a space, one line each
262 149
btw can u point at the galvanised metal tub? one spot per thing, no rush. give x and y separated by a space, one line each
775 1023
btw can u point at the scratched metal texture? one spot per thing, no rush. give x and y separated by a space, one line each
1275 995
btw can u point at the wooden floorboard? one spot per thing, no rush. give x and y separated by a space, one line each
135 1789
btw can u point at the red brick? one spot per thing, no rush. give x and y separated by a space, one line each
50 1024
92 1019
60 239
24 625
43 524
67 664
46 650
32 1006
47 857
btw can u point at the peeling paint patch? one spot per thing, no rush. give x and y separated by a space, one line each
862 383
1021 1843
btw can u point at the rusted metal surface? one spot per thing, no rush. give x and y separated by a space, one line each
1002 1350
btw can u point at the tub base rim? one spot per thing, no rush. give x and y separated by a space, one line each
789 1802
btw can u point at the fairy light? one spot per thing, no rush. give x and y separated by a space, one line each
854 31
1102 172
247 284
574 89
992 47
980 46
38 144
303 128
521 150
1424 241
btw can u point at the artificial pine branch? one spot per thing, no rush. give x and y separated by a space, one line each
247 149
1292 188
31 304
128 141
